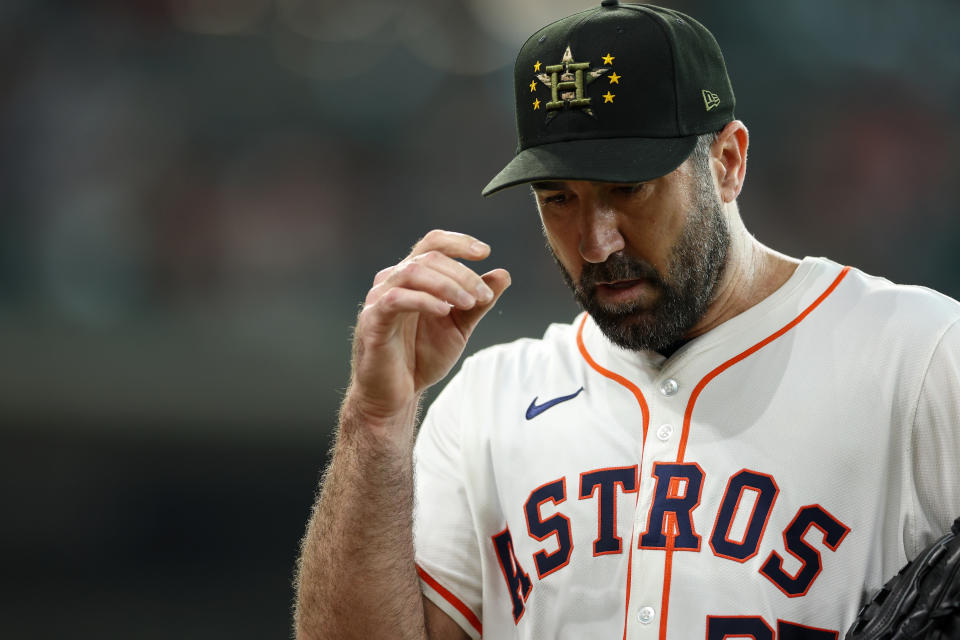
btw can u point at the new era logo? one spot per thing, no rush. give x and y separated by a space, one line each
710 99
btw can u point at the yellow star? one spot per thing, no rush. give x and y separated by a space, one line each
533 86
614 78
608 97
536 104
608 59
536 67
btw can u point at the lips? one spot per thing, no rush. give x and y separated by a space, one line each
621 284
620 290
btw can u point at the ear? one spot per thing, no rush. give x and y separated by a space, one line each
729 159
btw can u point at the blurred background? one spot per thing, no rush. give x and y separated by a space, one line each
197 193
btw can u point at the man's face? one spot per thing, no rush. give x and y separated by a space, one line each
643 260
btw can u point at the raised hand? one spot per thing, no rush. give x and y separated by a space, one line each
416 320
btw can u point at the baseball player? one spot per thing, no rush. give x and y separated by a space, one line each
727 442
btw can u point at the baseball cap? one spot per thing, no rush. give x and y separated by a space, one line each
616 93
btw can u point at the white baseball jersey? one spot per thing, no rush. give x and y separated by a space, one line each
760 483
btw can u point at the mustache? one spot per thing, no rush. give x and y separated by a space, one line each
617 267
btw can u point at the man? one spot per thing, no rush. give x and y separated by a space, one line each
729 442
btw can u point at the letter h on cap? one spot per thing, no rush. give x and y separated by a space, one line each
557 85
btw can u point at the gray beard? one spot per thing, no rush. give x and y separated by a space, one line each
695 268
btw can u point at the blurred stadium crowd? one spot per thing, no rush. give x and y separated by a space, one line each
197 194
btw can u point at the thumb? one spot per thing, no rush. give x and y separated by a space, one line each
498 280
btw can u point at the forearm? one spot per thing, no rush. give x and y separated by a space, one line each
356 575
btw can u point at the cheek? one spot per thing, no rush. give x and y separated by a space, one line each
652 235
565 248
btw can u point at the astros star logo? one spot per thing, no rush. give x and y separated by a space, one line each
567 82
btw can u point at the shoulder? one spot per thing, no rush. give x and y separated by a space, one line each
877 303
874 330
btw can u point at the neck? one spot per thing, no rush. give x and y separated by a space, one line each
753 271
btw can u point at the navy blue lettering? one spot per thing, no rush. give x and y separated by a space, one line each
607 480
556 525
676 495
518 582
721 627
767 491
792 631
833 533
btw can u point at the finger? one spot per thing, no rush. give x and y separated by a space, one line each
383 274
421 277
463 274
399 300
447 244
453 244
498 280
465 277
459 272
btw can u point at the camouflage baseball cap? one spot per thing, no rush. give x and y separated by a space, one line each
617 93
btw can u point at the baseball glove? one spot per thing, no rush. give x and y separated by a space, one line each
922 601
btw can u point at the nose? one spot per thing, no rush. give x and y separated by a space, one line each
599 233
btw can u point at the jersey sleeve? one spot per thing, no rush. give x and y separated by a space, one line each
445 539
936 442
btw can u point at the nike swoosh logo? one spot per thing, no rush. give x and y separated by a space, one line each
536 409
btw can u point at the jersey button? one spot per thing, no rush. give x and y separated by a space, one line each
669 387
646 615
664 432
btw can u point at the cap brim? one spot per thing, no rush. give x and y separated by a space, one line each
595 160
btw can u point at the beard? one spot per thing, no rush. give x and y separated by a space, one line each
681 295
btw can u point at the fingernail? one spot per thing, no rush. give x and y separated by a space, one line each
464 299
479 247
484 293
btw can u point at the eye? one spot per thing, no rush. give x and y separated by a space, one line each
556 198
628 189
